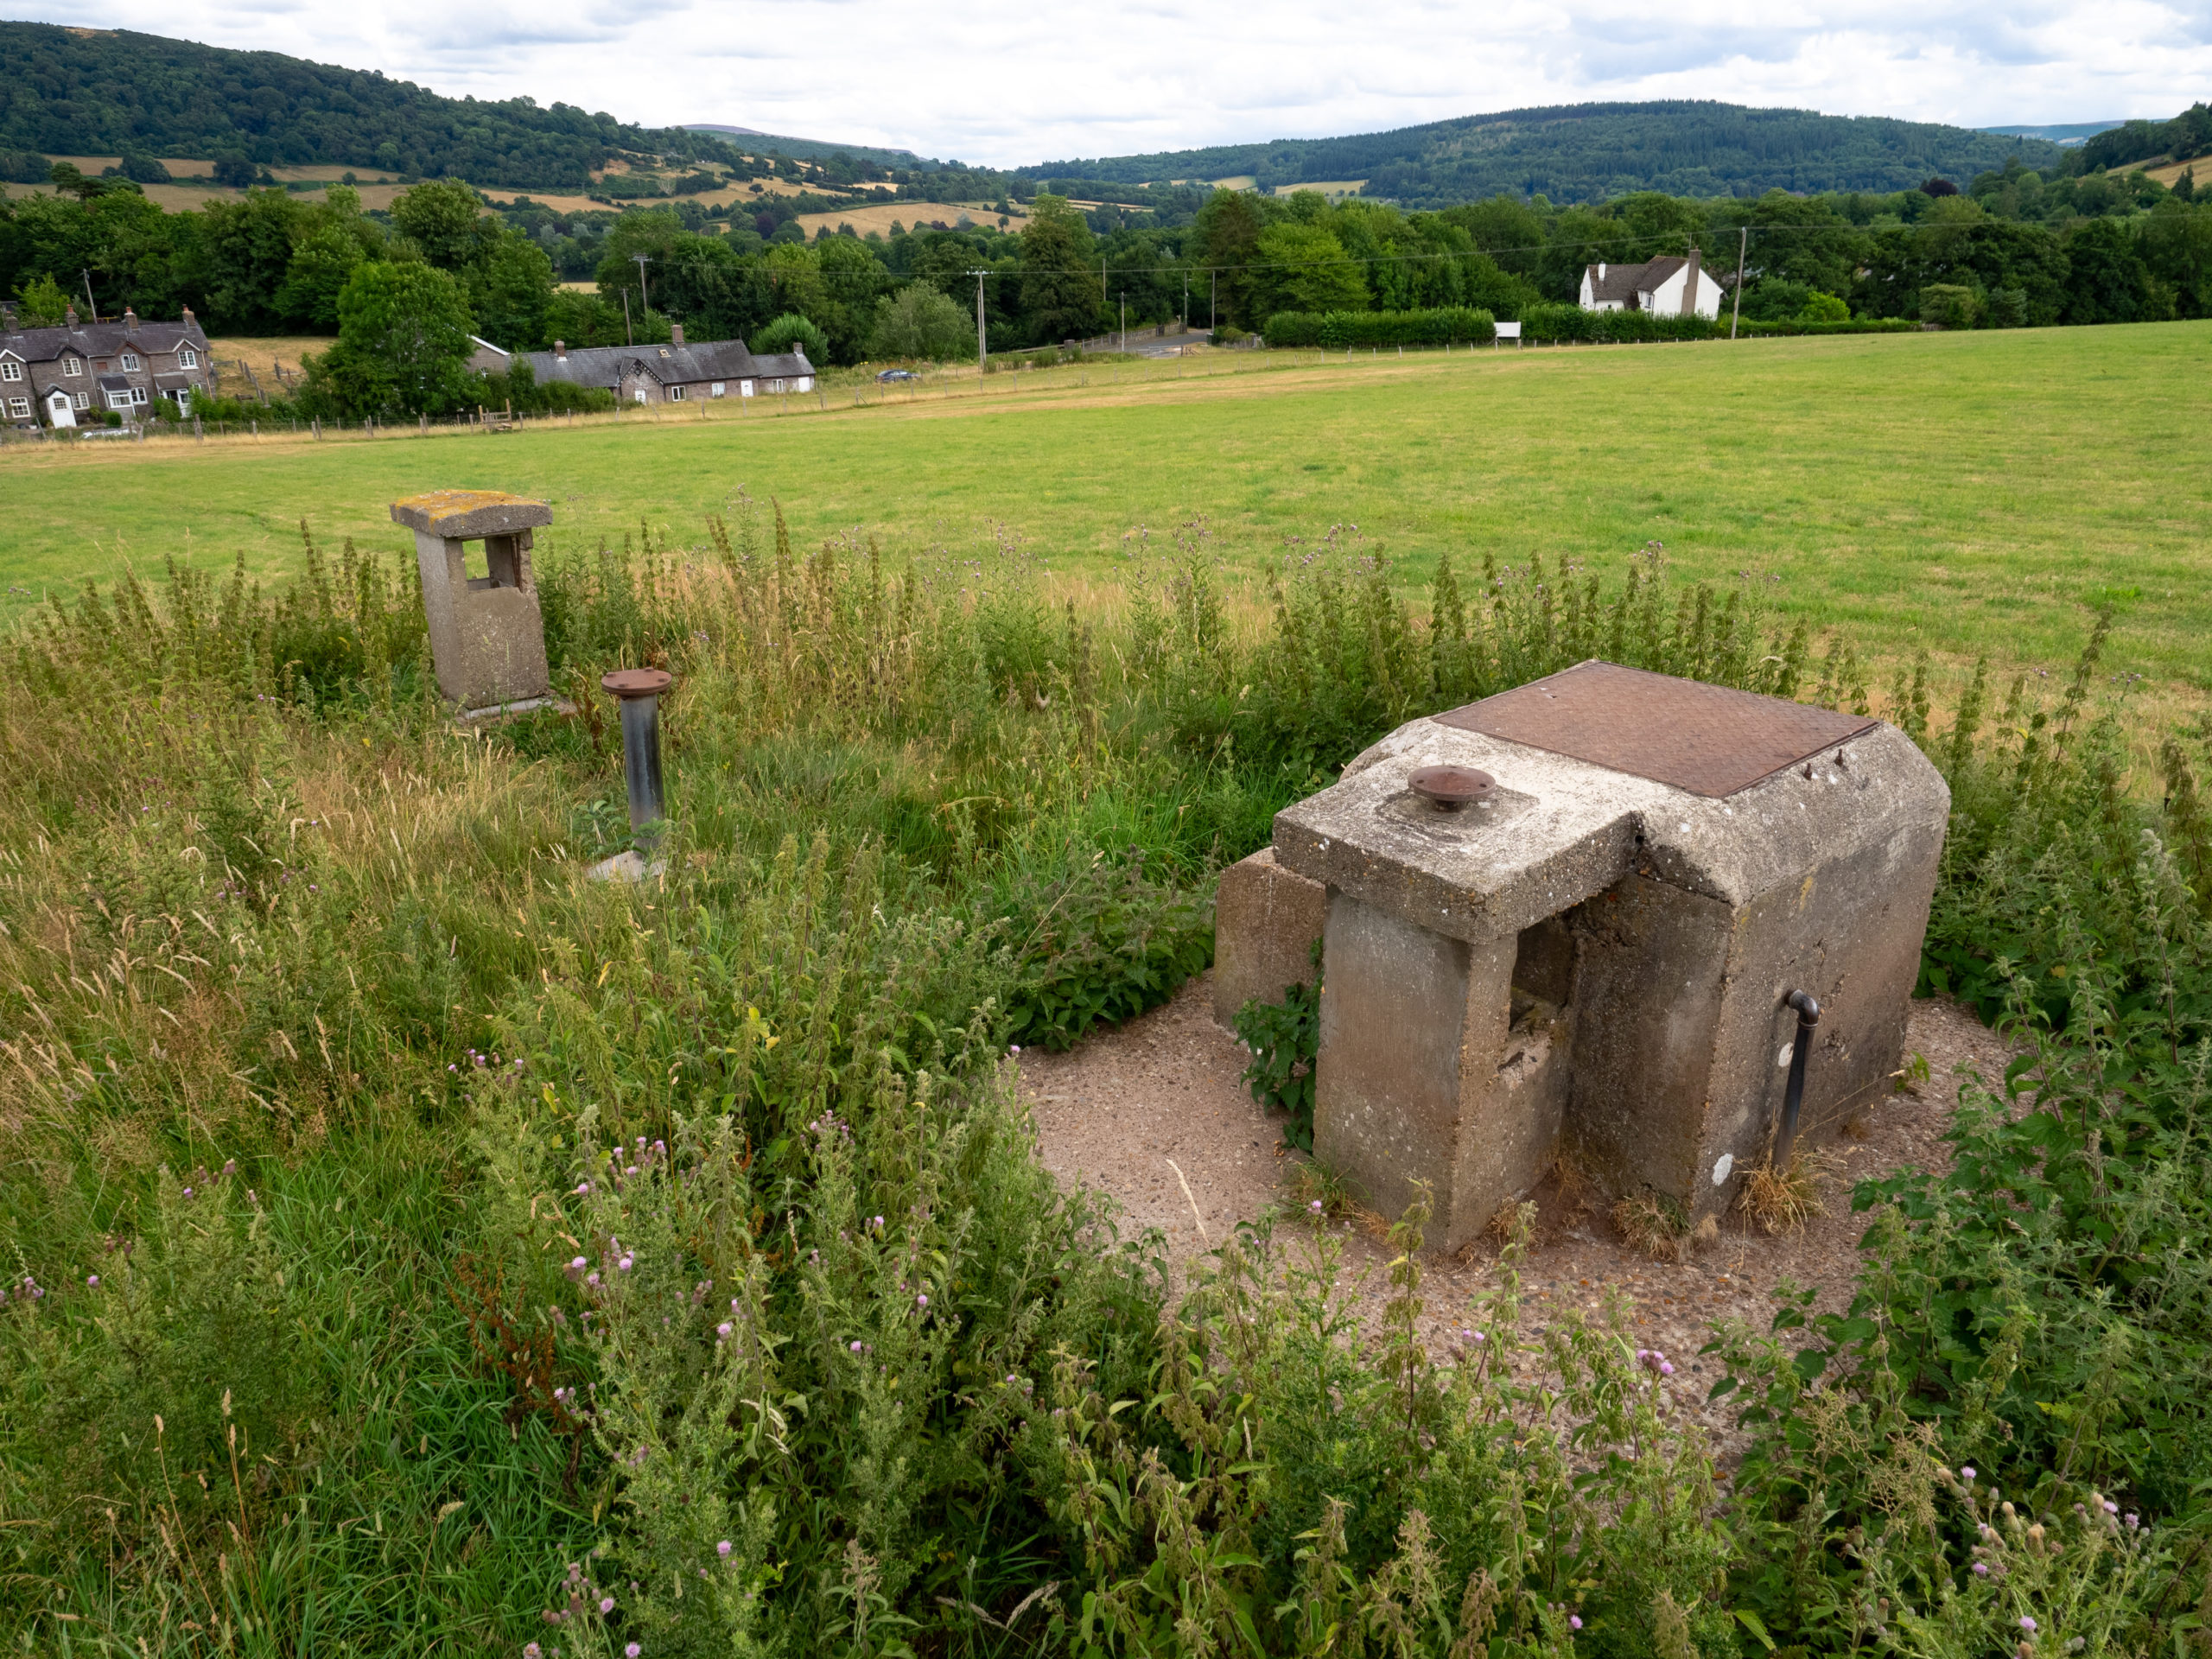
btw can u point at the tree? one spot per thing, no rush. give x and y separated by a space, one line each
789 332
510 287
440 218
2176 244
1305 268
402 343
2107 280
41 303
236 262
1224 241
1060 271
919 321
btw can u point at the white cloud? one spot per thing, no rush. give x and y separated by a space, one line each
1006 83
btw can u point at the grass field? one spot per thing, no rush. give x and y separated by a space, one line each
1965 492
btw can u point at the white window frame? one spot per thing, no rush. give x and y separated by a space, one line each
73 367
187 358
81 399
183 400
131 363
720 389
138 395
10 371
677 394
19 409
119 400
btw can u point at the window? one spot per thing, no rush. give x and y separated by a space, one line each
19 408
130 360
716 391
677 394
11 370
187 358
83 400
73 367
138 394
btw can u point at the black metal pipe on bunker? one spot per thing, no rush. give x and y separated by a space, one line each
640 689
1793 1097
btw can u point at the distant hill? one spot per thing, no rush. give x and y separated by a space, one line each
2070 132
76 91
753 142
1587 152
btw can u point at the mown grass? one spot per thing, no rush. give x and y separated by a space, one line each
1963 493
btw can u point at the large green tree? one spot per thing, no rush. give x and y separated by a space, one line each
402 343
1305 268
1224 241
1060 272
920 322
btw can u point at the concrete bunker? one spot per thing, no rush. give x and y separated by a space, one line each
487 636
1593 950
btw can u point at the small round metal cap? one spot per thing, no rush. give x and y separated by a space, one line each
638 681
1450 787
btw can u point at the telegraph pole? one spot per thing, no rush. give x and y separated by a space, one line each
1213 293
982 347
1743 247
644 300
1124 345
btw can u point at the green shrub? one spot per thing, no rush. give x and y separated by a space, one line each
793 332
1339 330
1949 306
1285 1039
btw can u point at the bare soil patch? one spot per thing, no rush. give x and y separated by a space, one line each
1155 1113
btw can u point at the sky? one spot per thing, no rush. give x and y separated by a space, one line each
1009 82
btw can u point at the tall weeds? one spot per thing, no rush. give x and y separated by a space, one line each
417 1247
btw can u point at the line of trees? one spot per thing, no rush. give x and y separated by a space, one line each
2013 248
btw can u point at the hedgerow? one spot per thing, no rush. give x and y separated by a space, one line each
419 1248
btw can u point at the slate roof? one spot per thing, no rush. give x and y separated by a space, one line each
671 365
102 339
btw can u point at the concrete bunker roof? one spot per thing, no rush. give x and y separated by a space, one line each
466 515
1561 829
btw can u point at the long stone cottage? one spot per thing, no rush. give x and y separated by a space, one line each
673 373
80 372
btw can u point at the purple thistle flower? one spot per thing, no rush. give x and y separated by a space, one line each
723 1328
531 1651
922 1300
1981 1569
1967 1473
1573 1622
631 1652
857 1347
606 1604
722 1549
2027 1624
624 1264
93 1282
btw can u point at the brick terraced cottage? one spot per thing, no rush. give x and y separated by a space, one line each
78 373
675 373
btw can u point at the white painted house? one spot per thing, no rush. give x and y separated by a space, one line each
1668 287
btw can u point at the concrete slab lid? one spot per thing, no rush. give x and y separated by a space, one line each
1710 739
464 515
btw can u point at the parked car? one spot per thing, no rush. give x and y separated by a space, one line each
890 375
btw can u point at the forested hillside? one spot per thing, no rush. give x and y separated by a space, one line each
71 92
1589 152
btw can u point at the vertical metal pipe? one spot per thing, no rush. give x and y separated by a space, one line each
1793 1097
640 689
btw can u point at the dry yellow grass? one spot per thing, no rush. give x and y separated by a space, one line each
879 216
2166 172
262 356
1327 187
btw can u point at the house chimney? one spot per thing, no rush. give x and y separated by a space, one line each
130 320
561 350
1689 286
675 334
1601 271
188 318
69 317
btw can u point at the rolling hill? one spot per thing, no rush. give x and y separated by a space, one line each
81 91
1587 152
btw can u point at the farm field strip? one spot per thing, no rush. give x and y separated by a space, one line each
1960 492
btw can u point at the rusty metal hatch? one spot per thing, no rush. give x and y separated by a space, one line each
1708 739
